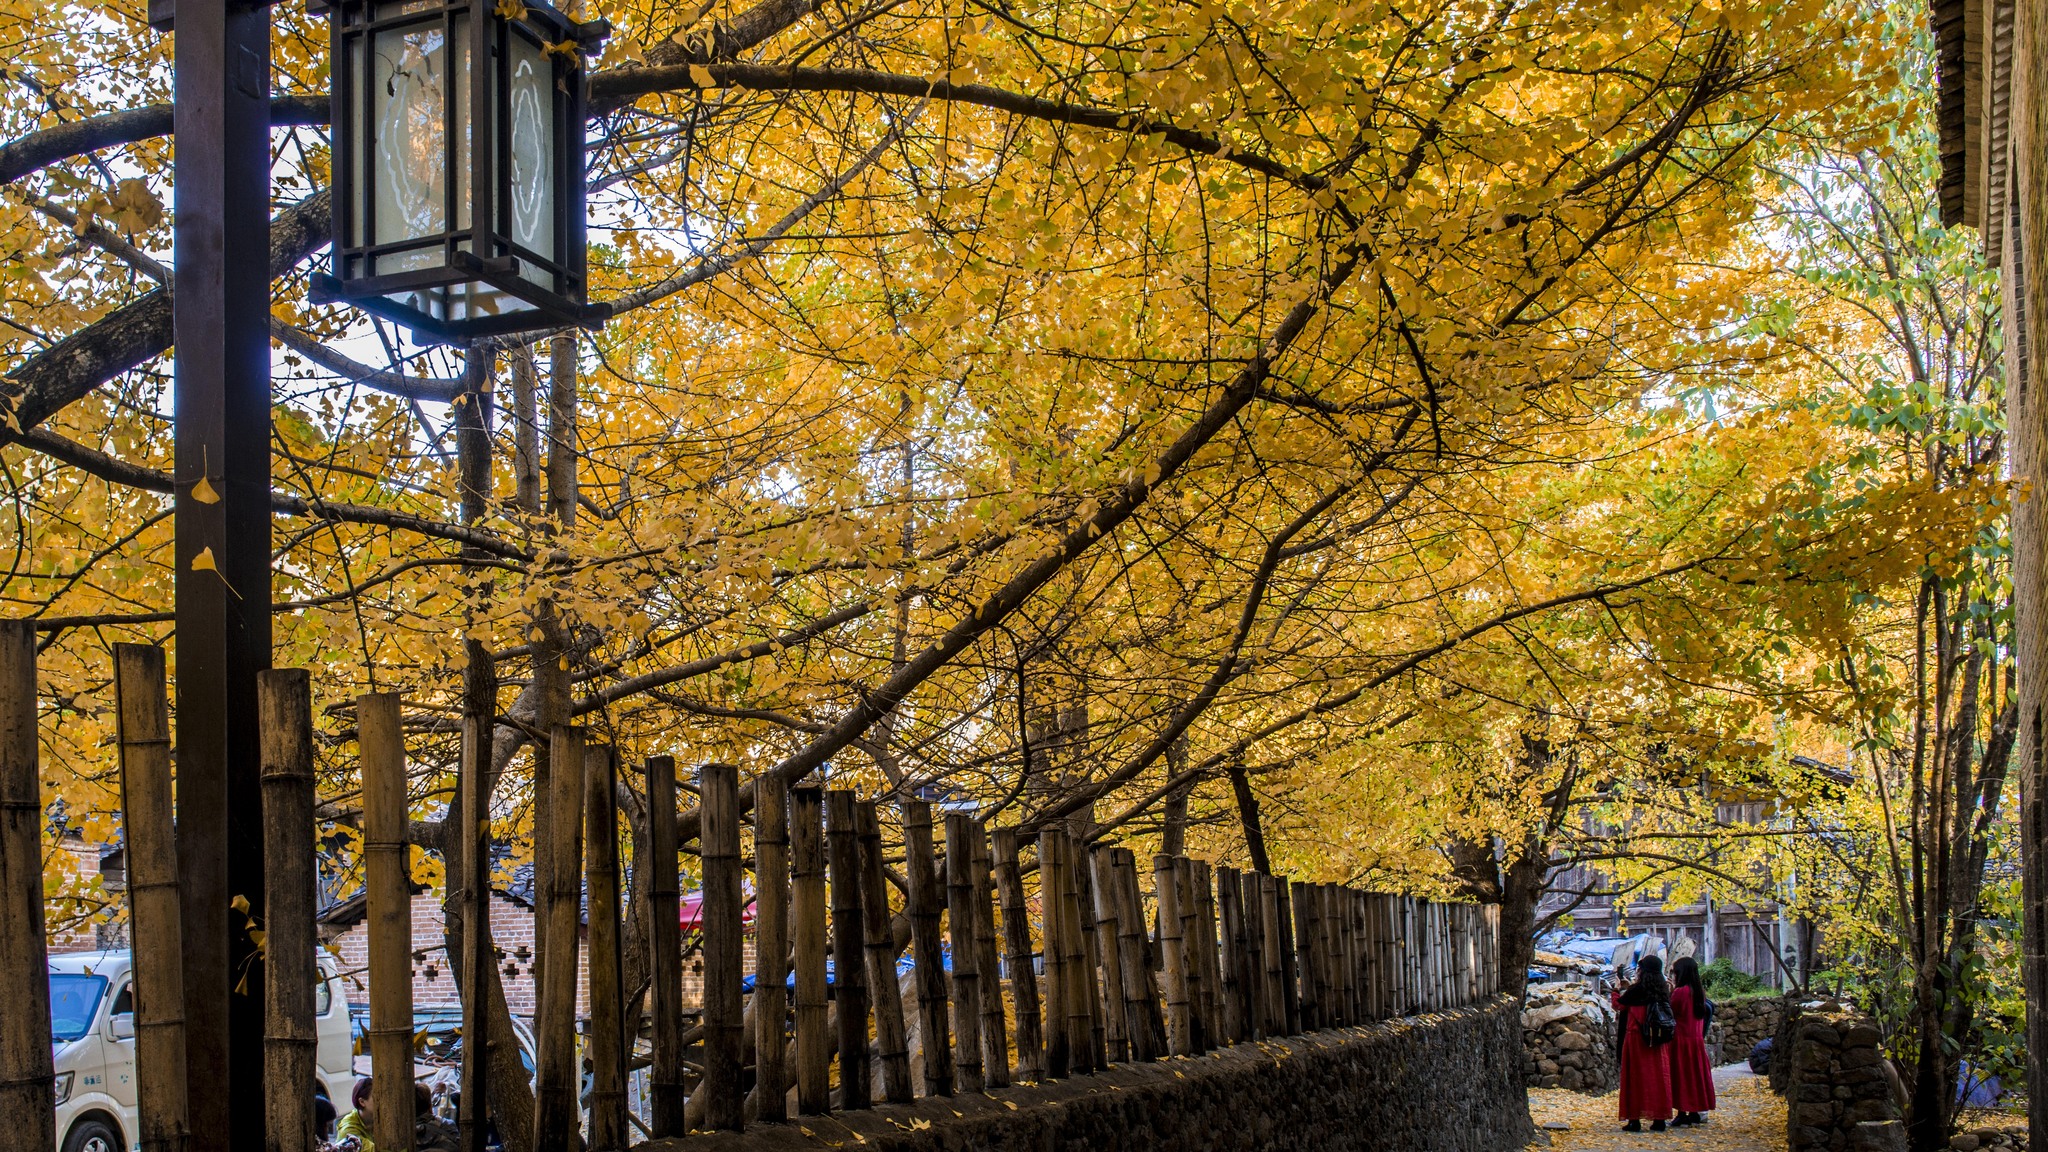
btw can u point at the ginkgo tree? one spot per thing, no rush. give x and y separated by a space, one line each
1068 405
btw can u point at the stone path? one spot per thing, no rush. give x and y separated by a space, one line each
1749 1119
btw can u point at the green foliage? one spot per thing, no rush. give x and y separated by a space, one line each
1726 982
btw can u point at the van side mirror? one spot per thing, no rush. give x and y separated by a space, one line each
123 1025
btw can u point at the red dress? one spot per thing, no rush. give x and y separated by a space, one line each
1692 1075
1645 1071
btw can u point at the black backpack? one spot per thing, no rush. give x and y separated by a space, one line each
1659 1026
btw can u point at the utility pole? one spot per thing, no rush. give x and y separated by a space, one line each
221 294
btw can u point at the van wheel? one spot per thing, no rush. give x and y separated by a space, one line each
93 1135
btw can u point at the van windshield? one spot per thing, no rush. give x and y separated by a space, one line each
74 1001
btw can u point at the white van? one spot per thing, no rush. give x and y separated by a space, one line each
92 1021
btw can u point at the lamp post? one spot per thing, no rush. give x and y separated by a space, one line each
220 320
458 165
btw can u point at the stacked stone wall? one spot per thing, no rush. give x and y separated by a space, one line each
1739 1024
1568 1040
1839 1096
1443 1082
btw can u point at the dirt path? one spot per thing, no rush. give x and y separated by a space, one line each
1750 1119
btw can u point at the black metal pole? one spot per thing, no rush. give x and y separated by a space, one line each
221 320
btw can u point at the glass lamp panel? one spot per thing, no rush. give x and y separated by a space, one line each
459 162
530 129
408 111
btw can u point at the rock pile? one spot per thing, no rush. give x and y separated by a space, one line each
1568 1039
1989 1140
1837 1094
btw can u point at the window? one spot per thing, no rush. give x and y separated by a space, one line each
74 1001
323 994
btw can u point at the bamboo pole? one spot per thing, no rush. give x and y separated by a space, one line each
607 1040
1212 957
473 905
155 918
1233 988
849 979
1354 953
555 1122
1326 955
1188 903
1132 955
1081 866
807 918
284 715
1270 948
668 1104
771 947
1017 957
1074 971
995 1036
960 923
1249 908
1116 1019
1059 1037
1165 889
887 992
929 972
1290 976
27 1097
724 1012
1307 971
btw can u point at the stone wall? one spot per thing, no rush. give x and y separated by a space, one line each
1838 1095
1568 1039
1739 1024
1446 1082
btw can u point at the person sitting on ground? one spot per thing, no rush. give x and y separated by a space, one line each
429 1134
1645 1063
1692 1074
356 1124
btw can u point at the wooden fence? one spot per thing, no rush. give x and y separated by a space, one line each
1026 959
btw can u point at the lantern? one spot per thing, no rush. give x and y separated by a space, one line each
458 165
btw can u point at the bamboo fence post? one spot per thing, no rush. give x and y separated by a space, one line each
1017 957
1081 866
719 844
607 1041
1116 1022
1493 969
919 860
1251 964
154 915
995 1036
284 707
1074 964
880 950
1311 1000
1354 947
473 911
1290 975
1211 957
1131 954
1232 925
27 1073
1332 925
807 917
1274 1019
1059 1051
1188 905
668 1103
1165 889
960 925
387 895
555 1123
771 947
1387 922
849 977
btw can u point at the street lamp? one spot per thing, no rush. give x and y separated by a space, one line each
459 186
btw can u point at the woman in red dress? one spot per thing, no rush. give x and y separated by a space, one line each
1692 1075
1645 1068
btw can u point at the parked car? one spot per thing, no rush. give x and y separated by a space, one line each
92 1024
